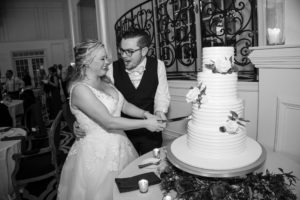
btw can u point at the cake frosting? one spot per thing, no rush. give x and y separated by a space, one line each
217 128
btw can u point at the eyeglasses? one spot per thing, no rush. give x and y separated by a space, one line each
128 52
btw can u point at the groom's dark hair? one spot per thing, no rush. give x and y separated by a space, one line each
144 41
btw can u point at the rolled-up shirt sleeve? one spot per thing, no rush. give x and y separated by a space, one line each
162 95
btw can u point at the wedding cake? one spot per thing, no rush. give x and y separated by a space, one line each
218 101
216 133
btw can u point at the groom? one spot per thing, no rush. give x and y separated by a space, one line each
143 82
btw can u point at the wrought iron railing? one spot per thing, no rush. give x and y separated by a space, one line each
177 28
230 23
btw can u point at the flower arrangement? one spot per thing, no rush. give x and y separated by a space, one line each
196 94
222 66
234 125
259 186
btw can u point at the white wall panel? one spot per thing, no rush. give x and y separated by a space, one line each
287 135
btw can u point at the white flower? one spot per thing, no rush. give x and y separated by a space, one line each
232 127
223 65
192 95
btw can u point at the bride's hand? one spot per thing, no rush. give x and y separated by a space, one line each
78 132
154 125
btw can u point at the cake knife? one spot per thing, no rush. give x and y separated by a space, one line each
175 119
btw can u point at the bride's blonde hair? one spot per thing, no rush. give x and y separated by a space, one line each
85 52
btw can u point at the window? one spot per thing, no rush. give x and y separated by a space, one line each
29 61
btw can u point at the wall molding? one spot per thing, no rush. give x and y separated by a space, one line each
278 56
284 105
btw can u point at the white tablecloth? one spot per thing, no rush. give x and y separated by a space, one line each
15 107
7 164
273 162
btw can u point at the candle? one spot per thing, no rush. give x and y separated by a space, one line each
167 197
156 153
143 185
274 35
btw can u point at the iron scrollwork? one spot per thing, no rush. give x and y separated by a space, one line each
229 23
176 33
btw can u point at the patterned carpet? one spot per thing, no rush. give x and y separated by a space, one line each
47 189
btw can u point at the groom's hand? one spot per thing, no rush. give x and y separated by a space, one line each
78 132
161 115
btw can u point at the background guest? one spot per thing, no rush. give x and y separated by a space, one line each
27 94
13 85
55 98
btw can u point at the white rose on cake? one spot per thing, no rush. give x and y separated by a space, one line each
224 65
192 95
232 127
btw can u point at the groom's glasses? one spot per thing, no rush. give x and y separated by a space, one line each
128 52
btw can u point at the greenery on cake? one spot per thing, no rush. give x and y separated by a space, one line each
234 124
225 66
196 94
254 186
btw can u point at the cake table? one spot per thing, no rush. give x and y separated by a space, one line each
274 160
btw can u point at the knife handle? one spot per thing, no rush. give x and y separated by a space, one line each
145 165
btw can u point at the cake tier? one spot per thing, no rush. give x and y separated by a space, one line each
221 87
215 113
220 57
211 143
204 135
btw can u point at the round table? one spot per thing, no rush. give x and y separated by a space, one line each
7 164
273 161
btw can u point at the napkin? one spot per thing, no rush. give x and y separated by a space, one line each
131 183
12 138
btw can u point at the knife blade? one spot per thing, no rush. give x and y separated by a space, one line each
175 119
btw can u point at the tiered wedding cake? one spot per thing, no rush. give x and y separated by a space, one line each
216 137
218 100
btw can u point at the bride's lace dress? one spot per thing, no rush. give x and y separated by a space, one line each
95 160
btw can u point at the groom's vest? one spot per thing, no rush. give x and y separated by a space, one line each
143 95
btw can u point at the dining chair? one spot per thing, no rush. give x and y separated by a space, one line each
33 118
38 164
37 133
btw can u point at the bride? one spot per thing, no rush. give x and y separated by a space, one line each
95 160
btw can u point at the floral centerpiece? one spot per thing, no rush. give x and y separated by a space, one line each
259 186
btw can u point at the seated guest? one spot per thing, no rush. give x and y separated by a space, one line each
5 118
13 85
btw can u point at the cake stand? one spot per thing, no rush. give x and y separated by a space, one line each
178 154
